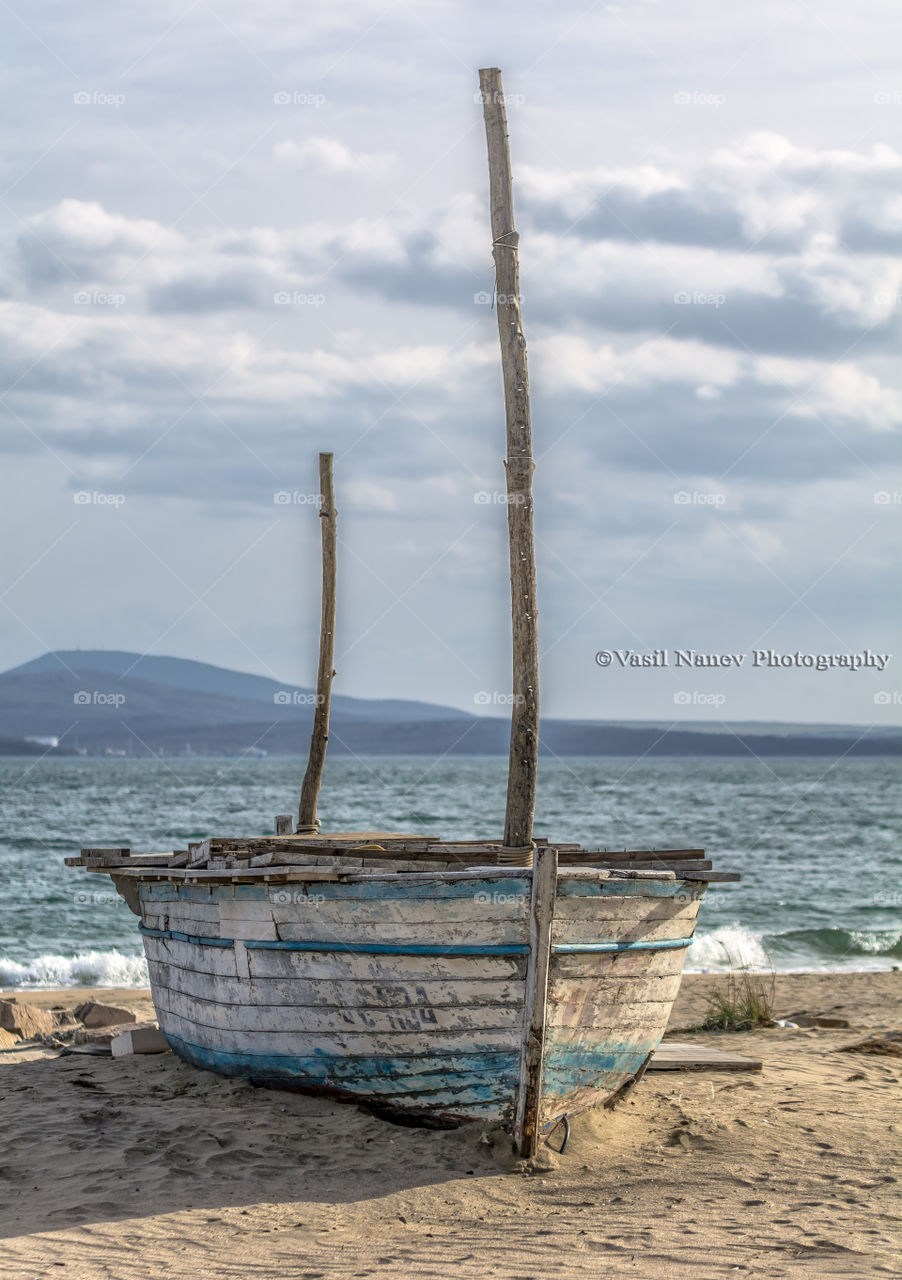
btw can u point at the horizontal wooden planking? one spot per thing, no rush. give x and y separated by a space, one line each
412 1016
424 1043
588 931
338 965
627 855
570 1023
213 962
473 1085
597 1069
169 891
501 887
578 1098
681 907
712 877
401 912
196 912
440 889
587 966
617 990
312 928
582 886
335 991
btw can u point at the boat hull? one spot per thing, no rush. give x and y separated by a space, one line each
412 994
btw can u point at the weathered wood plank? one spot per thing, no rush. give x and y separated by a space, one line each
631 855
673 1056
374 1044
583 910
312 928
339 965
328 992
413 1016
404 915
598 967
570 932
617 990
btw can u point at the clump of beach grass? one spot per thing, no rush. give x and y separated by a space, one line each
744 1002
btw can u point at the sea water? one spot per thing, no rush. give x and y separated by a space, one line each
818 843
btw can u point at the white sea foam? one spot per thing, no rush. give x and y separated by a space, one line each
732 946
88 969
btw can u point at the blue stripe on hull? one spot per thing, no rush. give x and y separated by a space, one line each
584 948
486 1082
421 948
605 1067
396 948
184 937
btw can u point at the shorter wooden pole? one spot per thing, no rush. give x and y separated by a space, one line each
307 819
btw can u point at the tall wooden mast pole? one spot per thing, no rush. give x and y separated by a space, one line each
524 748
307 819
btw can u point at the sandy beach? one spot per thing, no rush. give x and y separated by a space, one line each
144 1166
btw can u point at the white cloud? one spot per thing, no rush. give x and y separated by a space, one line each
330 155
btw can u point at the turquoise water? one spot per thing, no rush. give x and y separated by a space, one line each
819 846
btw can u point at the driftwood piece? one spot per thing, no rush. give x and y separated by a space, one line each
313 776
524 744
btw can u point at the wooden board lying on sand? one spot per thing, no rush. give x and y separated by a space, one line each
672 1056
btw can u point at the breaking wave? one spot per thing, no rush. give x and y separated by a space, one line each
89 969
735 946
730 946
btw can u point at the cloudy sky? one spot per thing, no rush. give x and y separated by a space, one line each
235 235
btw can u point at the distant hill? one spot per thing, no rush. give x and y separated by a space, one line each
98 701
202 678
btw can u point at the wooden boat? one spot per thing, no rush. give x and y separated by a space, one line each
418 981
518 980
